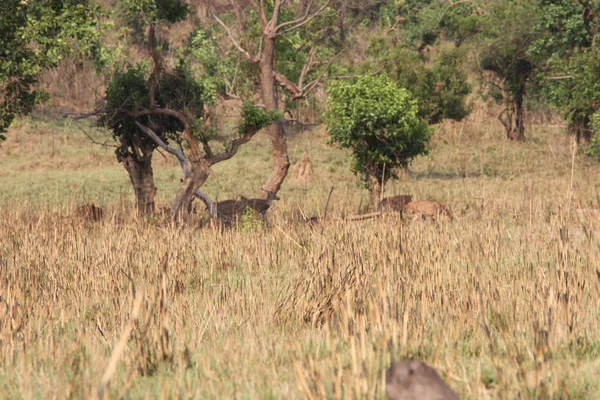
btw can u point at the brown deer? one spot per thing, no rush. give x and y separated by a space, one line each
90 212
411 380
231 209
427 209
395 203
260 205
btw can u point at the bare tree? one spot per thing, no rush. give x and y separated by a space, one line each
262 55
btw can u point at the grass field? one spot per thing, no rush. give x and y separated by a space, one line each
504 301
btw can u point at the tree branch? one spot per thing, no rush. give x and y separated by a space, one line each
234 41
271 30
187 130
300 21
308 64
210 205
235 145
260 12
306 90
178 153
288 85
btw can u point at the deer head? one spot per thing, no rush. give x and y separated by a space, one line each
270 196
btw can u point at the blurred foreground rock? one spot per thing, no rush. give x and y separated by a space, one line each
415 380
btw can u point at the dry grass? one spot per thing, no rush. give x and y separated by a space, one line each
502 301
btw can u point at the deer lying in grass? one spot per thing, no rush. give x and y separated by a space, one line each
395 203
230 210
90 212
408 380
427 209
260 205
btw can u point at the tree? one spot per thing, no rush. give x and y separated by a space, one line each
439 83
498 33
132 91
380 122
260 29
506 66
163 106
418 48
34 36
567 47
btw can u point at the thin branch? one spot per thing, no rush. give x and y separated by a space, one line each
557 78
78 116
94 141
298 20
234 41
452 5
314 83
308 64
185 165
303 21
235 144
394 27
260 12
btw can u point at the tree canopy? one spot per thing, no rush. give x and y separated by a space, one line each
380 123
34 36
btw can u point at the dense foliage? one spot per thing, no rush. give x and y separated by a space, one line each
380 122
567 41
128 94
34 36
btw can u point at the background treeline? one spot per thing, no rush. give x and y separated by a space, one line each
158 72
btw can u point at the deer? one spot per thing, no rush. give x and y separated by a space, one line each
414 379
260 205
231 209
427 209
90 212
395 203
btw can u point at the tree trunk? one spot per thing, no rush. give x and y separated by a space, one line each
517 125
192 181
275 131
580 127
374 189
141 175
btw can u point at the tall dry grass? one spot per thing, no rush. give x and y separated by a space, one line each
502 308
503 301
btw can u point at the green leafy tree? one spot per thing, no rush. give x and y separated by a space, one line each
163 105
418 48
34 36
505 64
438 83
380 122
567 43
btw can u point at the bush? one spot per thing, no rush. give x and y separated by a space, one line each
380 122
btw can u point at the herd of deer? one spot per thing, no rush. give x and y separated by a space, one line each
231 210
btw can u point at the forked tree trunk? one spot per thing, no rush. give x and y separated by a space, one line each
374 189
141 175
580 128
275 132
192 181
517 131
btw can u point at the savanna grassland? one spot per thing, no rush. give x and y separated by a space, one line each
504 301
